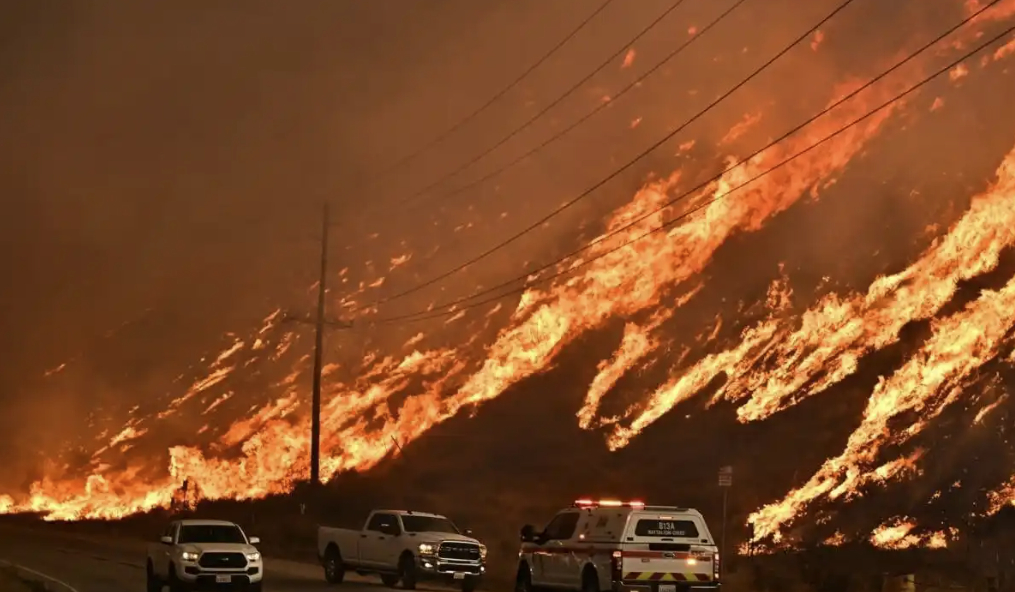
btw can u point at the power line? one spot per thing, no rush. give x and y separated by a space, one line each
574 87
429 314
739 163
645 30
542 112
462 122
566 205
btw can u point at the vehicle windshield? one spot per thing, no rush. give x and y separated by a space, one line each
428 524
211 533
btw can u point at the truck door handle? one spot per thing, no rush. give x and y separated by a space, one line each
380 538
362 536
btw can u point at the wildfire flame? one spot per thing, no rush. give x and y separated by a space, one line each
897 534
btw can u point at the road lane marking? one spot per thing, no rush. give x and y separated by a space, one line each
67 587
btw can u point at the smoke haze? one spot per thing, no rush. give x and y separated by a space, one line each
162 170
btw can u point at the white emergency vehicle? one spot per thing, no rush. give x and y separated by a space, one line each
620 546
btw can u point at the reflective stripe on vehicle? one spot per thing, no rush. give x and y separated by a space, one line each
656 576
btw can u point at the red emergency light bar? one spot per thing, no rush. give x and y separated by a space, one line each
588 503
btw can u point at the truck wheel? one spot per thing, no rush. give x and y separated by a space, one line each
254 587
175 585
154 584
389 580
334 571
469 584
590 580
407 572
523 581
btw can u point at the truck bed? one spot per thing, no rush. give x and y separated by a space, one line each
346 539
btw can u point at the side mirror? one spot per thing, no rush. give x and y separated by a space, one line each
528 533
468 532
166 540
254 540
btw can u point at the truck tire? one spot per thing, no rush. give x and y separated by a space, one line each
523 581
407 571
469 584
153 583
175 585
389 580
334 571
255 587
590 580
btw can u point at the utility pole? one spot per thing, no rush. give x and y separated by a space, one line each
320 322
315 418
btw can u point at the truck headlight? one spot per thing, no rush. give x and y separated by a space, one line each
482 552
188 556
255 556
426 549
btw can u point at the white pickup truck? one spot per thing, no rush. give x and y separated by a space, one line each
403 546
204 553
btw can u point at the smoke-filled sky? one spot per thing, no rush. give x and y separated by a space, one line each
163 165
163 168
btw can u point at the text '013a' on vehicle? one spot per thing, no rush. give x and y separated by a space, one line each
403 546
603 545
204 554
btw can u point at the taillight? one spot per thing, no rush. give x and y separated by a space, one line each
616 566
715 567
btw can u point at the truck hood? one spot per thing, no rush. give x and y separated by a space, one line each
437 537
218 548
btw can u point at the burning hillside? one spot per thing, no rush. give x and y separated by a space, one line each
651 282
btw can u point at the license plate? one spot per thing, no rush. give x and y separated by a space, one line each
461 576
226 579
667 588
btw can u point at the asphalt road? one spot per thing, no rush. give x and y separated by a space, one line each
94 565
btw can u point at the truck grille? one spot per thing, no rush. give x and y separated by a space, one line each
461 551
223 561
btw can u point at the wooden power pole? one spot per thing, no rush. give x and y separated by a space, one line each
315 418
320 323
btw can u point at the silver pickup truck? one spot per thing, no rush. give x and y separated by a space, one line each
403 546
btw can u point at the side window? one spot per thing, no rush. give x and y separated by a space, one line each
562 526
391 525
375 523
385 524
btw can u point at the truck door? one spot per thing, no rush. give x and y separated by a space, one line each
162 553
376 539
390 547
558 554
